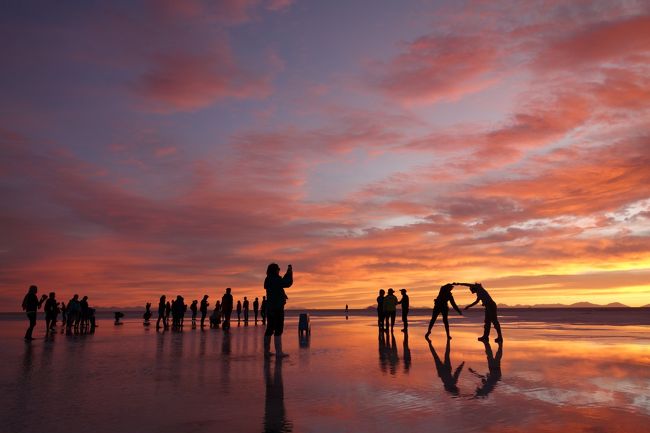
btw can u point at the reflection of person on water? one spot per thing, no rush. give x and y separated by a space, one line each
444 369
490 379
275 414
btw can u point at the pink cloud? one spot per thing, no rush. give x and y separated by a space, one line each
438 67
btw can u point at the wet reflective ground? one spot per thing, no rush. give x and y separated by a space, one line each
546 377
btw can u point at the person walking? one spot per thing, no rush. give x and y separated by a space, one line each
276 296
194 308
238 312
404 302
440 307
490 310
31 304
390 309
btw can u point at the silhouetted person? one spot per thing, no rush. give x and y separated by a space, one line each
440 307
194 309
245 305
276 299
238 311
275 415
226 308
168 312
390 309
31 304
256 308
215 317
404 302
490 379
178 309
449 380
204 309
490 310
64 314
50 309
74 313
147 313
346 311
263 310
118 315
161 312
380 308
91 319
84 312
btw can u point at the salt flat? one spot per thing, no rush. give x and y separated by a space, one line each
546 377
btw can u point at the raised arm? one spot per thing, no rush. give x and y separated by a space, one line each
472 304
287 280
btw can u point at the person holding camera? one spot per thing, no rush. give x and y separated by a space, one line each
276 298
31 305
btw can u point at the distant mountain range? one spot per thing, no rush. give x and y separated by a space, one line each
575 305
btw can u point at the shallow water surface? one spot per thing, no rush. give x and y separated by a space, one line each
345 378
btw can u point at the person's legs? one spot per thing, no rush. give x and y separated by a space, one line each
445 320
279 328
392 320
495 321
486 326
380 319
270 330
434 316
32 323
405 320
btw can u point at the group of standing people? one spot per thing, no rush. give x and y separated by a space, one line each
222 312
76 316
387 309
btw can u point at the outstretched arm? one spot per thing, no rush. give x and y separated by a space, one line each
472 304
287 280
453 304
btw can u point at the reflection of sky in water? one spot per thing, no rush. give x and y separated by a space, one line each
343 378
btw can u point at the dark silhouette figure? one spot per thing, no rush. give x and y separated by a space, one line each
449 380
51 311
64 314
380 308
276 299
238 312
404 302
91 320
275 414
226 308
491 378
390 309
440 307
346 311
204 309
194 308
245 305
161 312
256 308
168 312
147 314
263 310
178 310
74 314
215 317
490 310
118 315
85 316
31 304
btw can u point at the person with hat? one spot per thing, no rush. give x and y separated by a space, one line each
390 308
440 307
404 302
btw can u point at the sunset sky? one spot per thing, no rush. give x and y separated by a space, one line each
179 147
